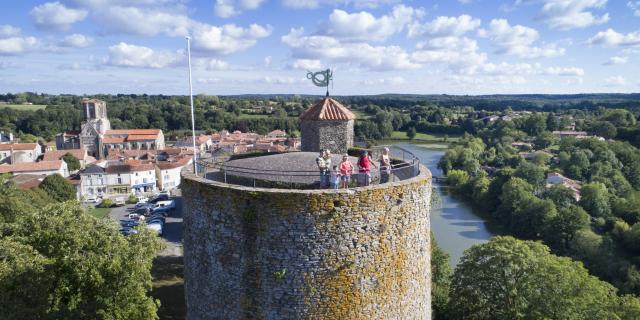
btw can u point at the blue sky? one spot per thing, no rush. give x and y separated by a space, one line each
373 46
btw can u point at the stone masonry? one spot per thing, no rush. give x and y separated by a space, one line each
336 136
257 253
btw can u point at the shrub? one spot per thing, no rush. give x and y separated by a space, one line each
106 203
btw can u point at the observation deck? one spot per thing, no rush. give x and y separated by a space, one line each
298 170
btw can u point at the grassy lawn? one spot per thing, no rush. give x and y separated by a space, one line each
362 114
25 107
401 135
99 212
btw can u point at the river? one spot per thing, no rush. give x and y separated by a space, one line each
454 224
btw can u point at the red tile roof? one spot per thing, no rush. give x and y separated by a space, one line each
113 140
27 181
79 154
133 131
32 166
136 137
328 109
165 165
18 146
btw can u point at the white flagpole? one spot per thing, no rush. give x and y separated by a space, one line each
193 120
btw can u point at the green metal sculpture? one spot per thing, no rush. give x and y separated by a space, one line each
321 78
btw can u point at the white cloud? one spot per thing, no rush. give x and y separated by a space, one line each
363 26
635 6
572 14
518 40
363 55
77 40
128 55
214 64
143 21
461 55
18 45
559 71
7 31
615 81
306 64
616 60
228 38
313 4
445 26
612 38
225 39
229 8
268 60
393 81
56 16
281 80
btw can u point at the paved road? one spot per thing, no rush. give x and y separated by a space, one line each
172 231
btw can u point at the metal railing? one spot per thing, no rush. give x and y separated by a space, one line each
404 165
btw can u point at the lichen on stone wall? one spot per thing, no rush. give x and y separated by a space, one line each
313 254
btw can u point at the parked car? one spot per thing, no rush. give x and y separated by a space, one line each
129 223
93 199
165 211
142 202
126 231
157 227
159 197
167 203
156 220
120 201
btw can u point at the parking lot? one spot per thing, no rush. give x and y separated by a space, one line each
172 230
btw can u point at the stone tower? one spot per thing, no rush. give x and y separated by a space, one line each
272 254
94 127
327 125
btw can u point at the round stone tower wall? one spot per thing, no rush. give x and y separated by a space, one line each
317 135
253 253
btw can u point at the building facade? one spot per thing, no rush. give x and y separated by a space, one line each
19 152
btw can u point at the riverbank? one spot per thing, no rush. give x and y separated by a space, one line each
454 223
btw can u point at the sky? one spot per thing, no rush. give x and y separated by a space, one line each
372 46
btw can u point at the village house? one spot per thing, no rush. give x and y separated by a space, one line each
81 154
568 133
554 178
6 137
44 168
93 181
19 152
168 173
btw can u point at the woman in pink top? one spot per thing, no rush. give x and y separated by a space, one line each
346 168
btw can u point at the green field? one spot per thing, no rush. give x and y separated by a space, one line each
401 135
24 107
99 212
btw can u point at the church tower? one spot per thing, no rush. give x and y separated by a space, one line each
95 126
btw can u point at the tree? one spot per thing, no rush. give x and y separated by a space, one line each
441 279
457 178
595 199
560 230
411 133
72 163
604 129
562 196
510 279
531 173
58 188
61 263
545 140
